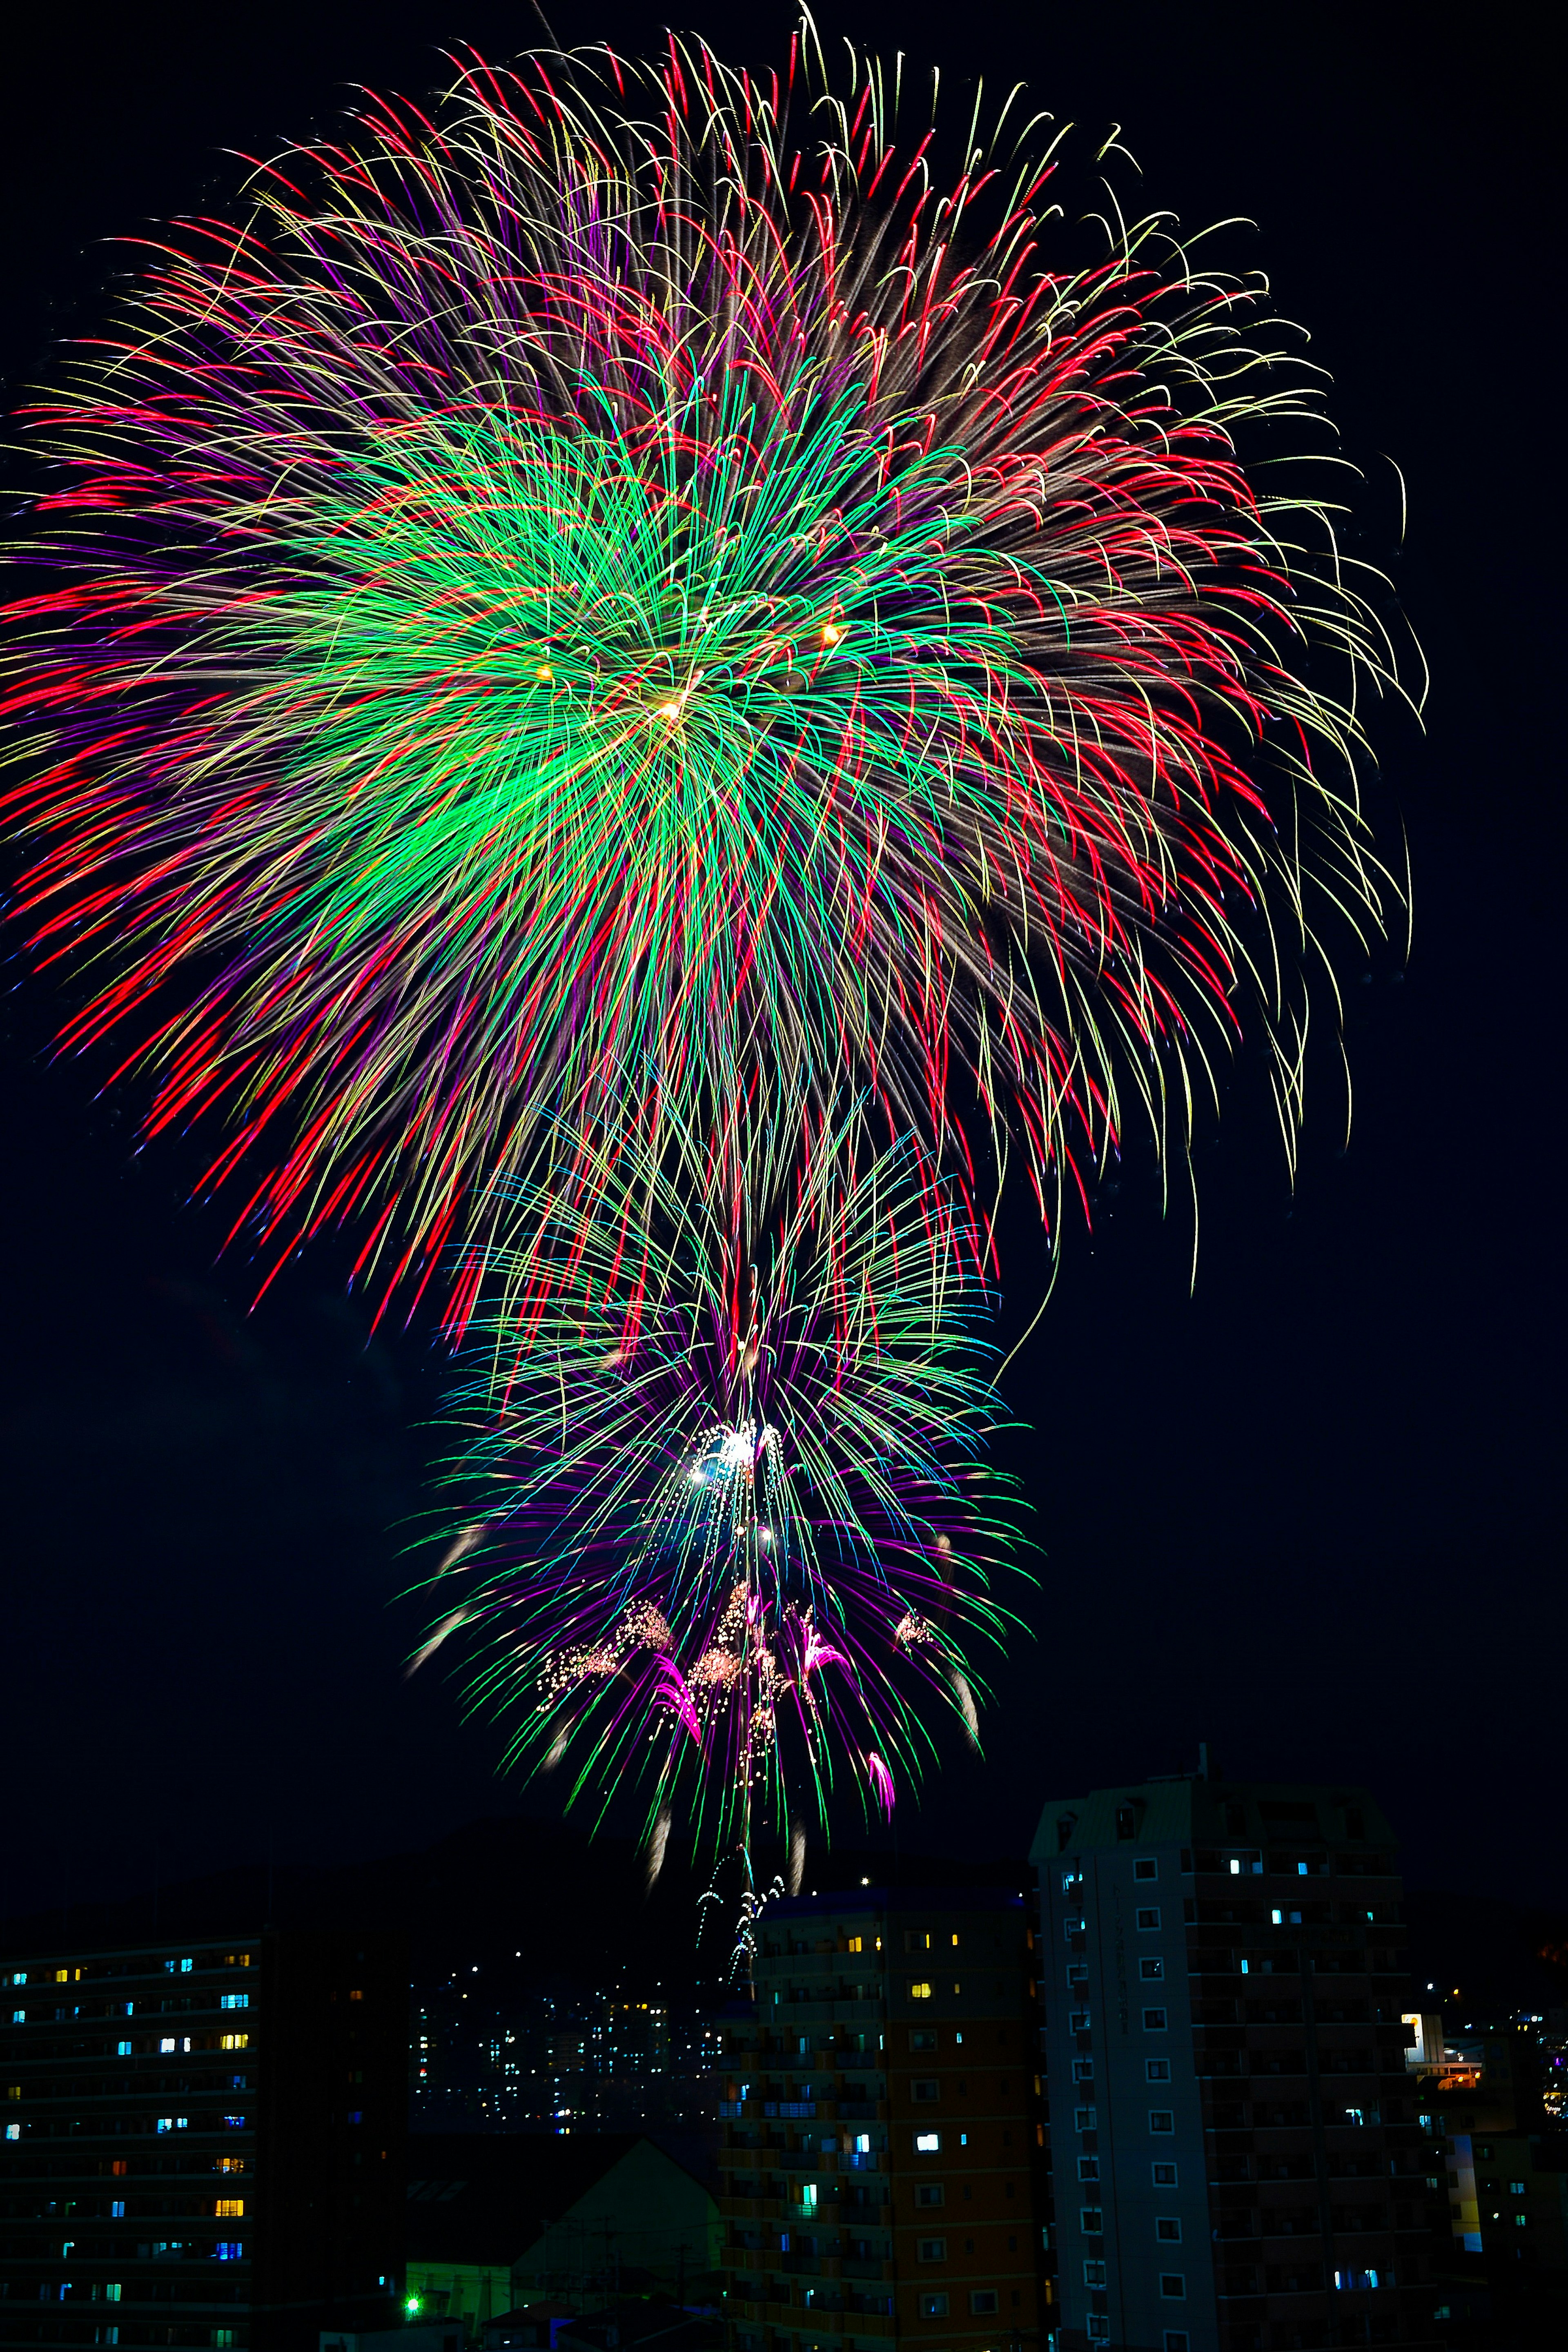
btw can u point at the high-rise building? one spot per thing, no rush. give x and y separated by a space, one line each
882 2136
204 2142
1236 2158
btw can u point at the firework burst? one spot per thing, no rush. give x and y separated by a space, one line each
740 1525
633 593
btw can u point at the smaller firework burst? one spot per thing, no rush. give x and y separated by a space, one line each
727 1484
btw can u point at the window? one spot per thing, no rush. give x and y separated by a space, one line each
920 1991
13 2131
356 2115
926 2089
933 2250
930 2192
982 2299
1083 2070
1167 2229
356 1996
855 1944
1173 2286
18 2017
1146 1866
122 2049
1148 1918
1088 2167
234 2123
111 2292
1097 2327
1160 2120
1072 1926
921 2038
1151 1969
1077 2020
1092 2220
927 2143
1126 1821
1516 2188
1094 2273
228 2250
1084 2119
1177 2340
234 2042
1156 2070
230 2208
168 2042
1155 2020
808 2196
934 2306
238 2001
1077 1973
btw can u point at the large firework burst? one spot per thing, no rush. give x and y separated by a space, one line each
731 1522
633 593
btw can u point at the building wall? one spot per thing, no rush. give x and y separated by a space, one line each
180 2164
882 2132
1237 2155
474 2293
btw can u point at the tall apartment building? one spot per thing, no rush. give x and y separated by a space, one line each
882 2134
202 2143
1236 2158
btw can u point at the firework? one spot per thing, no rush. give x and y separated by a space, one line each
633 593
739 1523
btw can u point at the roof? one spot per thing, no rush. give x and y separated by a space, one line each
850 1901
483 2196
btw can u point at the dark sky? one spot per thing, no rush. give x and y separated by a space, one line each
1310 1514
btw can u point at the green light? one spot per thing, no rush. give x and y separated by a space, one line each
412 2306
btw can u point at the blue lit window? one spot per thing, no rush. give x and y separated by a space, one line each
166 2122
228 2250
235 2122
185 1968
234 2000
123 2048
356 2115
13 2131
18 2017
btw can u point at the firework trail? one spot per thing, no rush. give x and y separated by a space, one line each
635 591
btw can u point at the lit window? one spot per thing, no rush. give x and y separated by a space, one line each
927 2143
111 2292
234 2123
855 1944
228 2250
168 2042
1160 2120
1173 2286
1156 2070
356 2115
122 2049
13 2131
808 2196
933 2250
116 2209
234 2042
1147 1919
1155 2020
919 1992
1168 2230
356 1996
234 2000
1071 1928
1094 2273
1092 2220
186 1967
18 2017
934 2306
166 2122
230 2208
1151 1969
956 1943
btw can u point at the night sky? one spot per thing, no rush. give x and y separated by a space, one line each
1310 1513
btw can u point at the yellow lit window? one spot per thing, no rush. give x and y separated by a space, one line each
956 1943
855 1943
231 2164
13 2090
230 2208
356 1996
919 1992
61 1976
234 2042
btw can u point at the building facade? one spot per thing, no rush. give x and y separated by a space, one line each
202 2143
883 2128
1236 2158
